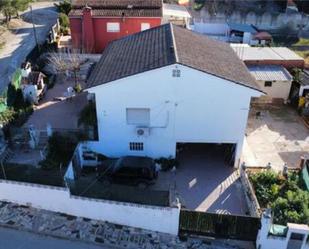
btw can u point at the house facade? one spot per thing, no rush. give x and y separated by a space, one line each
161 94
94 24
275 81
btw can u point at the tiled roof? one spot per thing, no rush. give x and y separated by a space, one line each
136 8
119 12
166 45
117 3
134 54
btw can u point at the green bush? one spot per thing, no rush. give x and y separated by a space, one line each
88 115
60 151
286 196
64 23
64 7
167 163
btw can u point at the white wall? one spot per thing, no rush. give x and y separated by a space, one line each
197 107
266 241
279 89
211 28
56 199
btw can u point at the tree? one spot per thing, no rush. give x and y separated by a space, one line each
66 62
10 8
64 7
64 23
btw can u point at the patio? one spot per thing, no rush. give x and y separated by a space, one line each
57 110
277 136
203 182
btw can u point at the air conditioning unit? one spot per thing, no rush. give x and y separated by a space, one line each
142 131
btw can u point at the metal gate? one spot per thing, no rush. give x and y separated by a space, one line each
218 225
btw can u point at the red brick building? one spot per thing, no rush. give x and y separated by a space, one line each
95 23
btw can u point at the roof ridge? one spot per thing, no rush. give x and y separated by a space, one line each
174 43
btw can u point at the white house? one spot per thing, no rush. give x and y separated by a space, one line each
166 86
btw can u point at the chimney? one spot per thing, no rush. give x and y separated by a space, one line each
88 41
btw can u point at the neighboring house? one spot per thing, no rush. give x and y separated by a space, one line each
275 81
280 56
176 14
95 24
241 33
233 32
161 92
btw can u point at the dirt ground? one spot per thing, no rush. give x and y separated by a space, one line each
278 136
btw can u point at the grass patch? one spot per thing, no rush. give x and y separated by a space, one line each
304 54
302 42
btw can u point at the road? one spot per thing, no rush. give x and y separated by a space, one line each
14 239
21 41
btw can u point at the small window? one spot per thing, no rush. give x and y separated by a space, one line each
138 116
136 146
268 83
145 26
176 73
113 27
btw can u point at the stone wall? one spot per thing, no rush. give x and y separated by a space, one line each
265 21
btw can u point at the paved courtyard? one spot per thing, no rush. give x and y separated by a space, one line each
203 182
55 110
277 136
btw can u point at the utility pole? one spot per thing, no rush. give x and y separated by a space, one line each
34 29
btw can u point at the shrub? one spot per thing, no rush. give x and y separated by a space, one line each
64 23
60 151
289 202
88 115
64 7
78 88
167 163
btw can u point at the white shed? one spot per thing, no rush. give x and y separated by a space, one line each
166 86
274 80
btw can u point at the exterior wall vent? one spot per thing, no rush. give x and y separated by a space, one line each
176 73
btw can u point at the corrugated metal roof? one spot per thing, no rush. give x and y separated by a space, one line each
265 53
242 27
270 73
305 78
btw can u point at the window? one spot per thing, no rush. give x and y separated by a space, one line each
136 146
138 116
113 27
145 26
176 72
268 83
